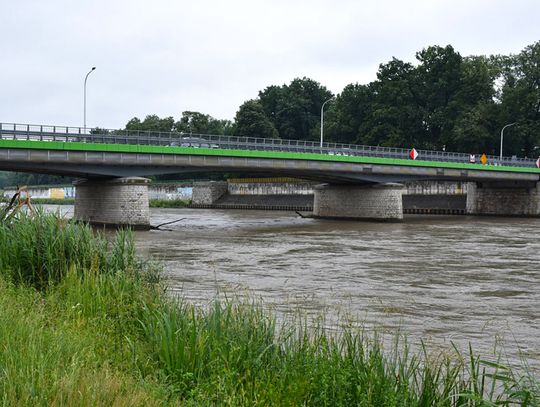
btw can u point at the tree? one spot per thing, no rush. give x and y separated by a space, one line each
294 109
251 121
22 178
151 123
473 123
439 81
196 122
395 117
347 116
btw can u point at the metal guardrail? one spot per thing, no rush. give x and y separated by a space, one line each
13 131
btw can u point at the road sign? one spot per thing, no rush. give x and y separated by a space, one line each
483 159
472 158
538 163
413 154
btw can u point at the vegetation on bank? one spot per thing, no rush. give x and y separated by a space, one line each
168 203
84 321
153 203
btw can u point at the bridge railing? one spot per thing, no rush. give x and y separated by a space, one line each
13 131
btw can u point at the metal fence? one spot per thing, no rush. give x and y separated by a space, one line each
12 131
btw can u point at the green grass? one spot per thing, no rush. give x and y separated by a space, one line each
168 203
53 201
83 321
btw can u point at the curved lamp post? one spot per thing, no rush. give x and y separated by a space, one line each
322 118
502 135
85 79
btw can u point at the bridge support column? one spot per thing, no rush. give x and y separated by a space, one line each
376 202
504 198
113 202
207 193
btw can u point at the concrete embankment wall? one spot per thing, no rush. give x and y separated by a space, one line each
435 197
427 197
270 186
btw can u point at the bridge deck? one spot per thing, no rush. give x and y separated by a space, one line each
121 153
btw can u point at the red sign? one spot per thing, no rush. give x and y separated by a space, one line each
538 163
413 154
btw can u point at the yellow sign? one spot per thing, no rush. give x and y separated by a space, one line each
56 193
483 159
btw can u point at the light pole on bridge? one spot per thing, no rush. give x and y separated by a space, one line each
322 118
502 134
85 79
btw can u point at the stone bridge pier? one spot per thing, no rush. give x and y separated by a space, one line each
504 198
381 202
113 202
207 193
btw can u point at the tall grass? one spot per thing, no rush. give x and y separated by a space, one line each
84 322
39 250
234 354
49 356
168 203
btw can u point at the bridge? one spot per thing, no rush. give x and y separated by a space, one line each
360 181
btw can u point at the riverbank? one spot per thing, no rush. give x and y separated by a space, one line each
153 203
85 321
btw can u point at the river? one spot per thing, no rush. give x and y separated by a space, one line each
440 279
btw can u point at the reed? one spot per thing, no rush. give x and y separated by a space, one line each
39 249
234 354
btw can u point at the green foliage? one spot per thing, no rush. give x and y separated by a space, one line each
195 122
346 117
234 353
167 203
151 123
190 122
251 121
39 251
22 178
395 117
65 344
53 355
295 109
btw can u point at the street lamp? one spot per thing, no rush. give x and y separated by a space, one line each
502 134
322 118
85 78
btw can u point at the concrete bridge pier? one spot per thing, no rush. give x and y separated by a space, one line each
113 202
504 198
381 202
205 194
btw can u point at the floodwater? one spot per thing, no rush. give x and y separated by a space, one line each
439 279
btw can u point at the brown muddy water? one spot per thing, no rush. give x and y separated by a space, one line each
440 279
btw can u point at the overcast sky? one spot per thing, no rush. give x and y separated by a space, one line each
163 56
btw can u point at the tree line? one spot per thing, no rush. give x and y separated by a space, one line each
442 102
